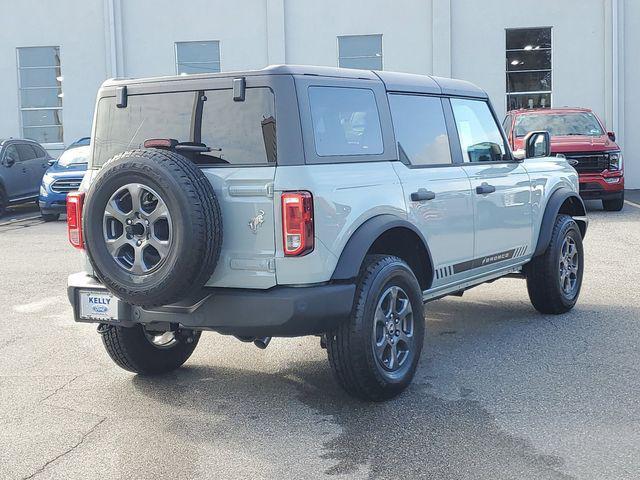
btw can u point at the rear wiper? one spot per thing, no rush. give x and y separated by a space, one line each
173 144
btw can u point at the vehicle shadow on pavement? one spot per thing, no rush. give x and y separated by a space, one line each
414 436
417 435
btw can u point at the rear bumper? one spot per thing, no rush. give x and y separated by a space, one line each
279 311
597 186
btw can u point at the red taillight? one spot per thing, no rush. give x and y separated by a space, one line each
75 200
297 223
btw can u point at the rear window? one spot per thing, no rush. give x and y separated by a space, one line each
239 133
345 121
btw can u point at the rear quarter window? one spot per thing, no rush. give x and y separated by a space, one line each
345 121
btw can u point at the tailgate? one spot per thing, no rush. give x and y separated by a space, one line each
248 226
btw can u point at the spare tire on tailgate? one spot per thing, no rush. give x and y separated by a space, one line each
152 227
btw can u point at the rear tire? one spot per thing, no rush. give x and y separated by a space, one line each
554 278
132 349
374 354
614 204
50 217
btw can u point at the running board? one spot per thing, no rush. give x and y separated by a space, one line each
451 289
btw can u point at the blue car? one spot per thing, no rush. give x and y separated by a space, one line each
63 176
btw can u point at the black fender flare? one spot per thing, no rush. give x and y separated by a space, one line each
556 200
361 240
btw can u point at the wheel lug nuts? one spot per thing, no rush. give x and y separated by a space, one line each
129 236
129 222
139 242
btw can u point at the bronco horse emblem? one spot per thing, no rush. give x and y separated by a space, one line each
256 221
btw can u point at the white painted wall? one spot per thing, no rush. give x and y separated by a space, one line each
478 46
461 38
311 28
630 62
78 29
150 29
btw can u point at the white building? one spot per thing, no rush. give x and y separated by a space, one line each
585 52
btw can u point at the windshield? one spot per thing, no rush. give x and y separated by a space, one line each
558 124
74 156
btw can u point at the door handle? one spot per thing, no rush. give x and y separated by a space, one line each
422 195
485 188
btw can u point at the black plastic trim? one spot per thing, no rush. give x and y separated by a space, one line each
366 234
552 208
279 311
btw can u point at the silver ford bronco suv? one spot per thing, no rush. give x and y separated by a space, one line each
310 201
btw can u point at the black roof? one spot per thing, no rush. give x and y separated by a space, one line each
394 81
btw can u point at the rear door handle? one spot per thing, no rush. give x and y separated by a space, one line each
485 188
422 195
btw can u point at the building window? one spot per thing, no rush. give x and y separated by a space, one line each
360 51
40 87
197 57
528 68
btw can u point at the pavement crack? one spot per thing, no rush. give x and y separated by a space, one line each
64 385
67 451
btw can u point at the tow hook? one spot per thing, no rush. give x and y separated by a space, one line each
103 328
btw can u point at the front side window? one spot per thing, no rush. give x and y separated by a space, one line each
528 65
420 128
10 153
559 124
197 57
480 137
345 121
360 51
40 86
238 133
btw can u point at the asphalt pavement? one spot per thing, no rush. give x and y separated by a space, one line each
501 392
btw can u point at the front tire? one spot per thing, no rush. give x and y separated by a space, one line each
144 352
374 355
554 278
614 204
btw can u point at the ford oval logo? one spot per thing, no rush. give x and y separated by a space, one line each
99 308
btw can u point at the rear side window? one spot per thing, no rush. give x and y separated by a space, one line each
420 128
345 121
480 137
25 151
239 133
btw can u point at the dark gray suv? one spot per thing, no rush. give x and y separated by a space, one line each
22 165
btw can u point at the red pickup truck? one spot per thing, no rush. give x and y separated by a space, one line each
579 135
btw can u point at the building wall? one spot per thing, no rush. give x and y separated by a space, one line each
312 28
79 30
149 35
630 98
99 39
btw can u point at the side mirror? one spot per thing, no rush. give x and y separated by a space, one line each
10 161
537 144
612 136
51 161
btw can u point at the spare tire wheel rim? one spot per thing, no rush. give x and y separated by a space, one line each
137 229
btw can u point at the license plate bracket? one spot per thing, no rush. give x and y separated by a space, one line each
98 305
